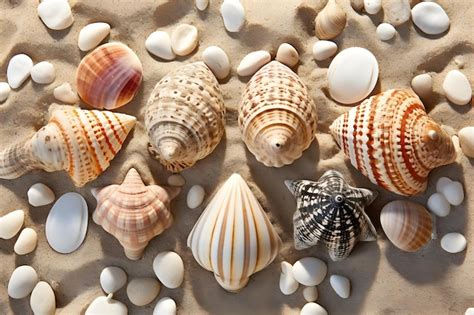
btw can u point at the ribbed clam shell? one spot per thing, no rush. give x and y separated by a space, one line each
185 116
408 225
331 212
277 116
134 213
233 238
331 21
109 76
81 142
392 141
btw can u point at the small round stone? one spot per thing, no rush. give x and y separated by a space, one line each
454 193
26 242
56 14
92 34
252 62
184 39
466 141
43 73
233 14
309 271
40 195
313 309
341 285
22 281
385 31
457 88
159 44
18 70
310 294
43 300
372 6
217 60
112 279
142 291
438 204
165 306
324 49
169 269
453 243
287 55
422 84
195 196
4 91
65 94
176 180
430 18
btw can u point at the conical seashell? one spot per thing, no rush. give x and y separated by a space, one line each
233 237
331 212
277 116
185 116
331 21
408 225
134 213
109 76
81 142
392 141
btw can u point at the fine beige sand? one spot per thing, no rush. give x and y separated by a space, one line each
384 279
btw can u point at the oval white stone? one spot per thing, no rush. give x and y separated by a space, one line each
233 14
252 62
372 6
66 225
176 180
430 18
22 281
441 182
40 195
142 291
313 309
201 5
385 31
453 243
159 44
341 285
217 60
438 204
454 193
56 14
106 305
26 242
396 12
352 75
4 91
466 140
323 49
11 223
42 300
422 84
288 283
169 269
195 196
309 271
92 34
18 70
287 55
112 279
43 73
184 39
310 294
165 306
64 93
457 88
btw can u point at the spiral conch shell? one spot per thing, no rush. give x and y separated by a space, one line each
185 116
392 141
81 142
331 21
233 237
277 116
109 76
134 213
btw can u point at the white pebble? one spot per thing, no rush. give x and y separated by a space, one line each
372 6
323 49
176 180
396 12
422 84
313 309
106 305
252 62
142 291
341 285
92 34
201 5
310 294
438 204
65 93
454 193
217 60
22 281
195 196
466 140
43 73
469 311
165 306
287 55
169 269
26 242
309 271
457 88
4 91
11 223
288 283
385 31
453 243
184 39
56 14
430 18
40 195
233 14
112 279
159 44
18 70
441 183
42 300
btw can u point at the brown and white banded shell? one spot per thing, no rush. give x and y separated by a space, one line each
331 21
185 116
109 76
277 116
392 141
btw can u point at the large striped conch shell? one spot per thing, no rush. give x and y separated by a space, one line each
392 141
109 76
185 116
81 142
134 213
331 212
233 238
277 116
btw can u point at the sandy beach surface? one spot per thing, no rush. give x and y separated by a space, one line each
384 279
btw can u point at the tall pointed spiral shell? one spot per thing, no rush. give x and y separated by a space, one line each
134 213
81 142
109 76
185 116
277 116
233 238
392 141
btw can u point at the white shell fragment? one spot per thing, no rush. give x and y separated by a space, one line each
184 39
201 5
287 55
352 75
430 18
457 88
176 180
92 34
252 62
40 195
22 281
56 14
106 305
4 91
453 243
341 285
142 291
195 196
165 306
396 12
466 140
438 204
159 44
385 31
42 300
169 269
372 6
66 225
11 223
233 14
43 73
454 193
323 49
18 70
309 271
288 283
112 279
422 84
26 242
310 294
65 93
313 309
217 60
